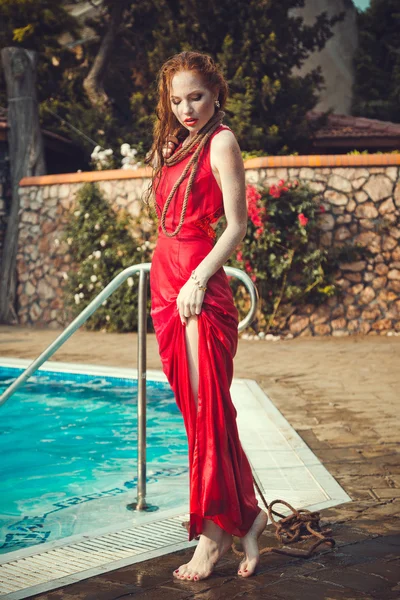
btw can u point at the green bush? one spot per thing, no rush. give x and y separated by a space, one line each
101 244
282 252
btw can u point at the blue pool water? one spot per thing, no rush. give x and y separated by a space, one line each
68 447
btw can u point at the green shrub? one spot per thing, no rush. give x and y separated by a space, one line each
283 255
101 243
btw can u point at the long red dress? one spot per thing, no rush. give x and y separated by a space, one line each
221 485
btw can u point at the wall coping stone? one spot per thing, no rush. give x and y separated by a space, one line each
323 160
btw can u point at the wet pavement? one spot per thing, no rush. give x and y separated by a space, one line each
342 395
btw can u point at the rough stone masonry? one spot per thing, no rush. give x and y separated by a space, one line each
362 205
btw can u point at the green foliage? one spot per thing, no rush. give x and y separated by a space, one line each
358 152
101 245
37 25
282 252
257 43
377 79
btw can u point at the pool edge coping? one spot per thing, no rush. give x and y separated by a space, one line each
336 494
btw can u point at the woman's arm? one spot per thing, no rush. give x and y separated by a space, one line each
227 163
226 160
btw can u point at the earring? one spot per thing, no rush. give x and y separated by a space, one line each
217 104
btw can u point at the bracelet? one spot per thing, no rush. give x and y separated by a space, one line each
194 277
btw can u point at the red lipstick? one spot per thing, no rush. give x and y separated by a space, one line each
190 121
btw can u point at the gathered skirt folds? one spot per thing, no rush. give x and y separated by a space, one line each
221 484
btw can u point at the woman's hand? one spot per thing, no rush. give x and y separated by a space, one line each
170 144
189 300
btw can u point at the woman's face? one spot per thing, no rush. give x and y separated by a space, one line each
192 102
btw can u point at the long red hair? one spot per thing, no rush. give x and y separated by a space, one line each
166 122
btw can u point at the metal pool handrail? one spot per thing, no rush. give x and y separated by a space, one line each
143 270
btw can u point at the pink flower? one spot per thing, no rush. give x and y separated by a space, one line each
256 213
322 209
275 191
253 278
239 255
303 219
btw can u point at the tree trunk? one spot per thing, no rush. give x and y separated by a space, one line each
26 159
93 83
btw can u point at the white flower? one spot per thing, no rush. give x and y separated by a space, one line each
57 242
87 215
94 266
77 213
108 152
77 299
102 243
125 149
93 278
138 248
80 286
130 281
64 275
81 295
104 303
97 226
147 244
97 253
107 317
69 241
90 286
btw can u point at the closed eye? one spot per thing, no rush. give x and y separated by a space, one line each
195 99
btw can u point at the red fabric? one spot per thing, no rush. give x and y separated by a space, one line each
221 485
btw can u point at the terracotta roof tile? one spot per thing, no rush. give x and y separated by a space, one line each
345 126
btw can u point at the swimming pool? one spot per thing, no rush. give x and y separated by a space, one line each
69 454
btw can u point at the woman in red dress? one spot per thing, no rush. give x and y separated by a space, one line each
194 316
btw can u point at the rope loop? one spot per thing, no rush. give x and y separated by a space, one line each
301 525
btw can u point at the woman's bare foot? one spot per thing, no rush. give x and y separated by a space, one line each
214 543
250 545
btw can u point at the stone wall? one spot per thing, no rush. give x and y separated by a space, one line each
43 260
362 204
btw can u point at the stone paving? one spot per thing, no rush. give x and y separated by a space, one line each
342 396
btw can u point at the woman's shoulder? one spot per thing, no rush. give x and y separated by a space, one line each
223 139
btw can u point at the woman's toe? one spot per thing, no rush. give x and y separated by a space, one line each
249 568
242 567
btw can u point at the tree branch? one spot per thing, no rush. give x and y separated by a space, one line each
94 82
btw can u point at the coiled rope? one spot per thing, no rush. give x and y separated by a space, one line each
201 138
301 525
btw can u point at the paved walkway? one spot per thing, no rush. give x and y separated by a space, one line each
342 395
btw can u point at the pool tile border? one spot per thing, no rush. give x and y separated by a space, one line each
265 434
